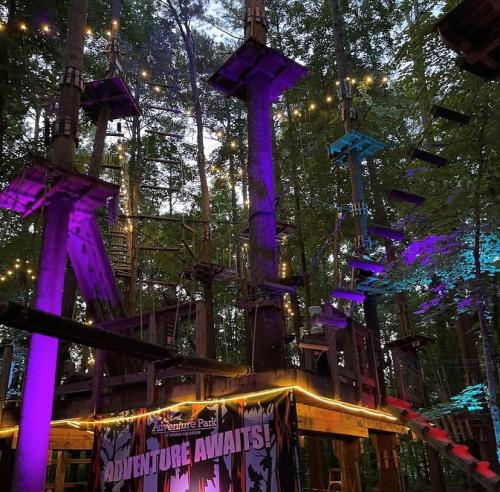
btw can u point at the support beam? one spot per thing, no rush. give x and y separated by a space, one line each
348 451
387 458
19 316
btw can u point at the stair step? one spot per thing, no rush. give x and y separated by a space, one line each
275 287
404 196
450 114
367 265
462 452
425 156
347 294
386 232
483 468
331 321
439 434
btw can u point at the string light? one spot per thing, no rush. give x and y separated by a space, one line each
23 26
369 79
108 33
157 88
329 99
144 73
312 106
233 145
219 134
337 83
88 31
385 79
335 404
115 23
45 28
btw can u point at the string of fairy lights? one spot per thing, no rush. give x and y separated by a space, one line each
19 267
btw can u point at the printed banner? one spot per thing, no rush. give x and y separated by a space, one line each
245 445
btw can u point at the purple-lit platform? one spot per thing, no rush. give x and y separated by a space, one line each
473 29
283 231
348 295
112 94
425 156
386 232
40 180
254 58
411 341
354 142
405 196
366 265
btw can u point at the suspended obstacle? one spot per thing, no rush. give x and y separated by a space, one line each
366 265
472 29
348 295
165 134
112 94
354 142
425 156
405 196
450 115
386 232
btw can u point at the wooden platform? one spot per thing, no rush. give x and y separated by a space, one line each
314 415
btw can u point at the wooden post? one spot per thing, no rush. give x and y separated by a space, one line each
151 377
333 360
387 459
348 451
60 472
201 346
4 376
316 464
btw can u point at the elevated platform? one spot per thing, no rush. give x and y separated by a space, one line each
283 231
356 142
218 273
40 180
317 411
112 94
472 28
253 58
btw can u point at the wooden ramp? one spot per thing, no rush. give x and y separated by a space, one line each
439 439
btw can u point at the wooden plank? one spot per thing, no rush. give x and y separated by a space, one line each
314 419
65 438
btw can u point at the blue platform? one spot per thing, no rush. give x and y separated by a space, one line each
356 142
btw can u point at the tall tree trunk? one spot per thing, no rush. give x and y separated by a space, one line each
357 185
206 245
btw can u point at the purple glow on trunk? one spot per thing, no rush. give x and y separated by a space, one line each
263 252
366 265
386 232
38 394
349 295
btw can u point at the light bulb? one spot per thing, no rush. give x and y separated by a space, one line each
144 73
23 26
45 28
312 107
329 99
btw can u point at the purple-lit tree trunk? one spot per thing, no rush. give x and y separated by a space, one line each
267 321
38 394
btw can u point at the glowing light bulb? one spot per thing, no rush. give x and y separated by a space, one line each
312 107
23 26
108 33
369 79
219 134
329 99
337 83
234 145
157 88
115 23
144 73
120 147
353 81
33 277
2 279
18 260
296 112
17 266
30 270
88 31
10 272
45 28
385 79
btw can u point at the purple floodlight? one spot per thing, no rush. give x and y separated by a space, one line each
367 265
427 245
349 295
386 232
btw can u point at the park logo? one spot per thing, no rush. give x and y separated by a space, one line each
177 426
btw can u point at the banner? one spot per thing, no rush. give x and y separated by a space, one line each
244 445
